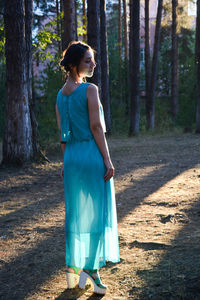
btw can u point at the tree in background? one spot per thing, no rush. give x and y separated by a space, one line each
17 142
126 56
120 49
105 93
174 63
152 88
134 66
147 56
28 6
93 38
198 66
70 30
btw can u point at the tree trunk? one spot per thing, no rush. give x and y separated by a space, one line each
29 71
174 69
69 22
152 89
120 50
119 30
105 97
17 143
84 21
135 67
126 57
93 38
125 29
198 66
147 55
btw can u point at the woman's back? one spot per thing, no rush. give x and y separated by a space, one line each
73 109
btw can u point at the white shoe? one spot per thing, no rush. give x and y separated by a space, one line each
72 277
99 288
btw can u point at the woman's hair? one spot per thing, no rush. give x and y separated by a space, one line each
73 54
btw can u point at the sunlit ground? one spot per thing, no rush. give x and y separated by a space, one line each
158 201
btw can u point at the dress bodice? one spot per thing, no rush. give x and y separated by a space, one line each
74 116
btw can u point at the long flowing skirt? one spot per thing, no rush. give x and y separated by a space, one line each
91 233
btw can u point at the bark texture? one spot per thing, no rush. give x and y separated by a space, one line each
125 28
17 143
29 71
69 22
135 67
198 66
105 95
126 57
93 38
174 63
147 56
152 89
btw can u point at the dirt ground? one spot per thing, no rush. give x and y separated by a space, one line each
157 185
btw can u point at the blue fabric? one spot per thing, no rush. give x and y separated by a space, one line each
91 233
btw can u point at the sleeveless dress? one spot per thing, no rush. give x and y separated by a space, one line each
91 234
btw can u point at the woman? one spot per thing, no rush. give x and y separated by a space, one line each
91 235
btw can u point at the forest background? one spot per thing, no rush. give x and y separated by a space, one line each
154 90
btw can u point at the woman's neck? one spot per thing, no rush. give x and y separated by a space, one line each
75 79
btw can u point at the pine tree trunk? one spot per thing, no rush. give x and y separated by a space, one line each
69 22
93 38
120 50
147 55
135 67
174 63
29 71
125 29
198 66
126 90
17 143
152 89
105 97
119 30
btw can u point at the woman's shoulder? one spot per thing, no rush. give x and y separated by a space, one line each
92 87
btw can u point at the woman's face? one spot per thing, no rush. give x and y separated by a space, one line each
87 64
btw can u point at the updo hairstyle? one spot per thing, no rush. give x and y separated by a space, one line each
73 54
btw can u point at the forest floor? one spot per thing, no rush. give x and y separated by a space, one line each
157 185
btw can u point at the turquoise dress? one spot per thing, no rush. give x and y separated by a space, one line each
91 233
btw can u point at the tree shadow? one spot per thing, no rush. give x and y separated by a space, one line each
176 276
76 293
28 271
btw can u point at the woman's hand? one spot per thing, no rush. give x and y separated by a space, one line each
110 169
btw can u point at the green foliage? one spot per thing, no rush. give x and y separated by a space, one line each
49 85
45 38
81 29
2 42
187 80
187 94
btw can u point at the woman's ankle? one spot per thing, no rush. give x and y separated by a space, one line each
73 269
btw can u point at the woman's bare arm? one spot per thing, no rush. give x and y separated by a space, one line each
97 130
